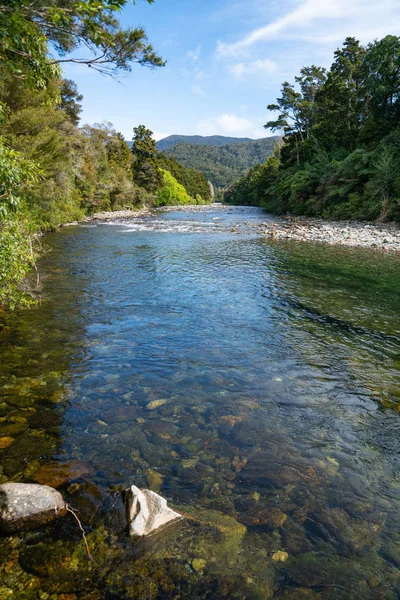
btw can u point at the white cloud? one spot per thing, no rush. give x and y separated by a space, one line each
229 124
256 67
323 21
198 90
195 54
160 135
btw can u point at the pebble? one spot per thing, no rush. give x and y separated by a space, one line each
280 556
5 442
344 233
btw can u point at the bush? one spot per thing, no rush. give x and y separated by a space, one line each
17 257
171 193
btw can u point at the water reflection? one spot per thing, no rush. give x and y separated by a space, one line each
254 383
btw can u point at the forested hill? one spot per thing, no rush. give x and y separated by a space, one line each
223 165
211 140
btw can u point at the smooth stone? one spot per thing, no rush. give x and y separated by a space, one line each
280 556
5 442
147 511
156 404
26 505
56 474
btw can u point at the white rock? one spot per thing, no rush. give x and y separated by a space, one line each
26 505
147 511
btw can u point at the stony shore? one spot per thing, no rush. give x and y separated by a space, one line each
111 216
119 214
341 233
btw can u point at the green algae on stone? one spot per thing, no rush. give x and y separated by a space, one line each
198 564
271 517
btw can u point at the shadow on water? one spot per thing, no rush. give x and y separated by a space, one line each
253 383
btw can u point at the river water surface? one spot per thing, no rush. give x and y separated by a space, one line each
254 383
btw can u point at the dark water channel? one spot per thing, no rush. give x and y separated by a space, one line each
253 383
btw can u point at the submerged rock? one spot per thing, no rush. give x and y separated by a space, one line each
26 505
280 556
5 442
56 474
147 511
156 404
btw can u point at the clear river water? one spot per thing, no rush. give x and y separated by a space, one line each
254 383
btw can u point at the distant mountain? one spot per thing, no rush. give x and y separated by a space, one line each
222 164
212 140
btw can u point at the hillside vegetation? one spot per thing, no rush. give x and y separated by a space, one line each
340 156
211 140
51 170
223 165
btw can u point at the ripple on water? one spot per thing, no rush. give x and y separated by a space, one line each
254 383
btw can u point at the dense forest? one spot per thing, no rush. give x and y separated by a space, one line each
222 164
207 140
341 147
52 170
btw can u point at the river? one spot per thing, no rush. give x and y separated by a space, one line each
254 383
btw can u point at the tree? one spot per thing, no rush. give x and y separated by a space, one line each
297 109
384 183
70 100
14 172
342 139
382 87
341 99
171 192
194 182
28 26
144 147
118 151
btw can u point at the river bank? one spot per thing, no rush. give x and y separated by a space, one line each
340 233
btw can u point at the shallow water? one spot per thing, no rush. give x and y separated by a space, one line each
254 383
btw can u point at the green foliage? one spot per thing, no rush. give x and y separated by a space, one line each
144 147
23 48
340 157
17 258
14 172
27 27
254 187
193 181
51 172
200 140
171 193
70 100
223 165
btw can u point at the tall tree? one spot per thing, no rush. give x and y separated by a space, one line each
144 151
297 109
144 146
340 100
382 87
70 100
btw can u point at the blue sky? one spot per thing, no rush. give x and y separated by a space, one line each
226 61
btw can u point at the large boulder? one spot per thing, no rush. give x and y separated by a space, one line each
147 511
27 505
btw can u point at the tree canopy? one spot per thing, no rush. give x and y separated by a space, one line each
340 156
51 170
29 28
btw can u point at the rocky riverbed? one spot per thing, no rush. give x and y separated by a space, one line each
341 233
